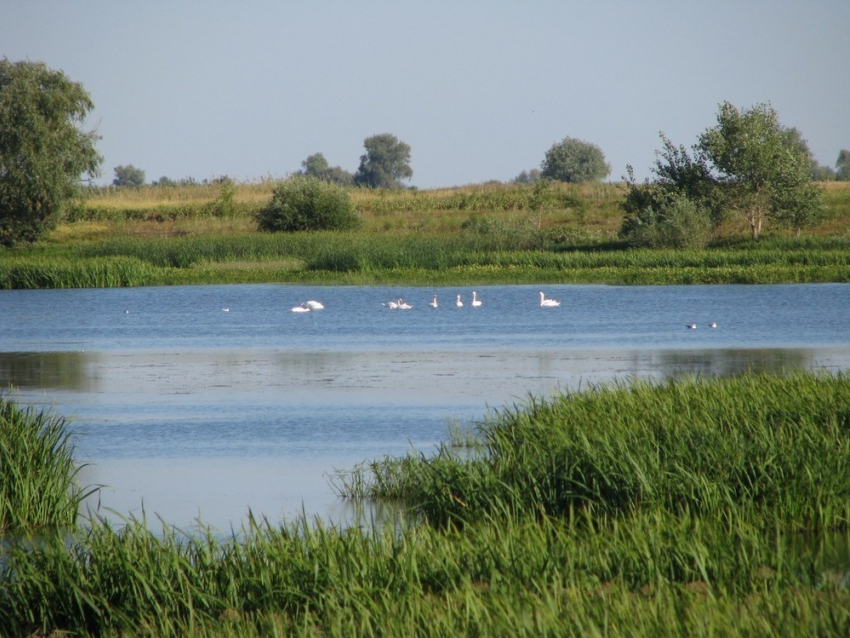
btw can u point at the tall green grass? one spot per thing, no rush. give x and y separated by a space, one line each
657 510
771 450
38 486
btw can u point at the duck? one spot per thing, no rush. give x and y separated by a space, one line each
713 324
433 303
548 303
476 302
302 308
314 305
691 326
458 302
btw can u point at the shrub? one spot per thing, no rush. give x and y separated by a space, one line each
666 219
307 203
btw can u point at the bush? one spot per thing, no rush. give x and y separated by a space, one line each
307 203
666 219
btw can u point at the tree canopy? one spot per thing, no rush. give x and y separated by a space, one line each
317 166
572 160
842 166
763 167
128 176
43 152
385 164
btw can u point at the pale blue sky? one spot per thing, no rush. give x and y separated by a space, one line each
480 90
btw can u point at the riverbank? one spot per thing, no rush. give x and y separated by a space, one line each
691 507
489 234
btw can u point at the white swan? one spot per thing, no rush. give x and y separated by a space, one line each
302 308
548 303
713 324
225 309
433 303
403 305
458 302
476 302
314 305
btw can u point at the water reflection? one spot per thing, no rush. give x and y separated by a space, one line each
69 371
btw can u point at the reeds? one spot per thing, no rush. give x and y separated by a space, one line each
771 450
38 486
653 510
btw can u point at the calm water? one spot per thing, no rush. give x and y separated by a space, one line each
186 411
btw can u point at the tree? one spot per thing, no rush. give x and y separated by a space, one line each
317 166
308 203
43 152
128 176
572 160
385 163
527 177
842 166
759 165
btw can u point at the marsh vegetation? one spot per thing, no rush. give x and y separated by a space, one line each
654 509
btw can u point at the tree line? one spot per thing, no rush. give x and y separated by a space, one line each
748 163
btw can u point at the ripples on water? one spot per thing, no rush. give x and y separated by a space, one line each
187 410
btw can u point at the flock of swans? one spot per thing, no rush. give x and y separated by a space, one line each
401 304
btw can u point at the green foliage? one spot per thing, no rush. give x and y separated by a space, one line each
224 205
43 153
671 221
307 203
764 170
842 166
128 176
317 166
572 160
385 164
38 479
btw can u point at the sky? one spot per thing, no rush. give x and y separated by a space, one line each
479 89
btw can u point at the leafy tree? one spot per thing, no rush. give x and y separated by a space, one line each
842 166
385 163
317 166
759 165
43 152
527 177
128 176
572 160
308 203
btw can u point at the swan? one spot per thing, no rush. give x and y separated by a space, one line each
302 308
314 305
476 302
392 305
691 326
433 303
225 309
403 305
548 303
713 324
458 302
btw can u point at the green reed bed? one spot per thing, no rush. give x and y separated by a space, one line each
774 450
491 252
508 574
38 486
654 510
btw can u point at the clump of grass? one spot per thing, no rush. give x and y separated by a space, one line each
773 450
38 486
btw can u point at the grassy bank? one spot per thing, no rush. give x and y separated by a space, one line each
38 487
666 510
472 235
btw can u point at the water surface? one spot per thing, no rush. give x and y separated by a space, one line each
202 402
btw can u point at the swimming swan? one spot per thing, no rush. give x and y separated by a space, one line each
302 308
691 326
458 302
403 305
433 303
476 302
314 305
548 303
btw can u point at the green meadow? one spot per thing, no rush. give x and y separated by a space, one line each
491 233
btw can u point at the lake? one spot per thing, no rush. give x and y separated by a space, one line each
202 402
